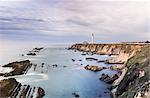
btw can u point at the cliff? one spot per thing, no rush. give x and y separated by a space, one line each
134 82
122 52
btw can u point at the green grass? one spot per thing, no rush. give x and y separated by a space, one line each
139 59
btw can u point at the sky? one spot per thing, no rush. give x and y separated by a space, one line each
71 21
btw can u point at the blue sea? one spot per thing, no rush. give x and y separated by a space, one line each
67 78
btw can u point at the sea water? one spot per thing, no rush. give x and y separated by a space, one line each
69 77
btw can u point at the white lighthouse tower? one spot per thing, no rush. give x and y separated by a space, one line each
92 39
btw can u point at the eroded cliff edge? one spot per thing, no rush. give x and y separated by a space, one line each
135 78
136 82
122 51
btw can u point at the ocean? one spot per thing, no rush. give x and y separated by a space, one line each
67 78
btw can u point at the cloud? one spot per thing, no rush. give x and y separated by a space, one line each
106 19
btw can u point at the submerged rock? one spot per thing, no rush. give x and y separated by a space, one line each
64 66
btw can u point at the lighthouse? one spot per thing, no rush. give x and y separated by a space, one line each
92 38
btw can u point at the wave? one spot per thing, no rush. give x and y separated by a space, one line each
29 77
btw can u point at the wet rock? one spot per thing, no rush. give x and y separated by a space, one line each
34 51
69 48
24 91
39 48
109 54
115 76
73 60
106 78
106 92
83 54
42 63
94 68
90 59
40 93
33 54
19 68
55 65
76 95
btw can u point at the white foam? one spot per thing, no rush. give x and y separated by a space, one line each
32 77
27 78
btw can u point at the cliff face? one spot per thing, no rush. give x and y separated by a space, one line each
122 51
136 82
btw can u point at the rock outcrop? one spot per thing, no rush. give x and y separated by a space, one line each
7 86
109 79
10 88
121 51
19 68
94 68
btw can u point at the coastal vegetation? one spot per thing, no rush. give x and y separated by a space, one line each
133 61
136 82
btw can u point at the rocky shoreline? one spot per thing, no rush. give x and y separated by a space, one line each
131 61
122 52
19 68
133 80
9 87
